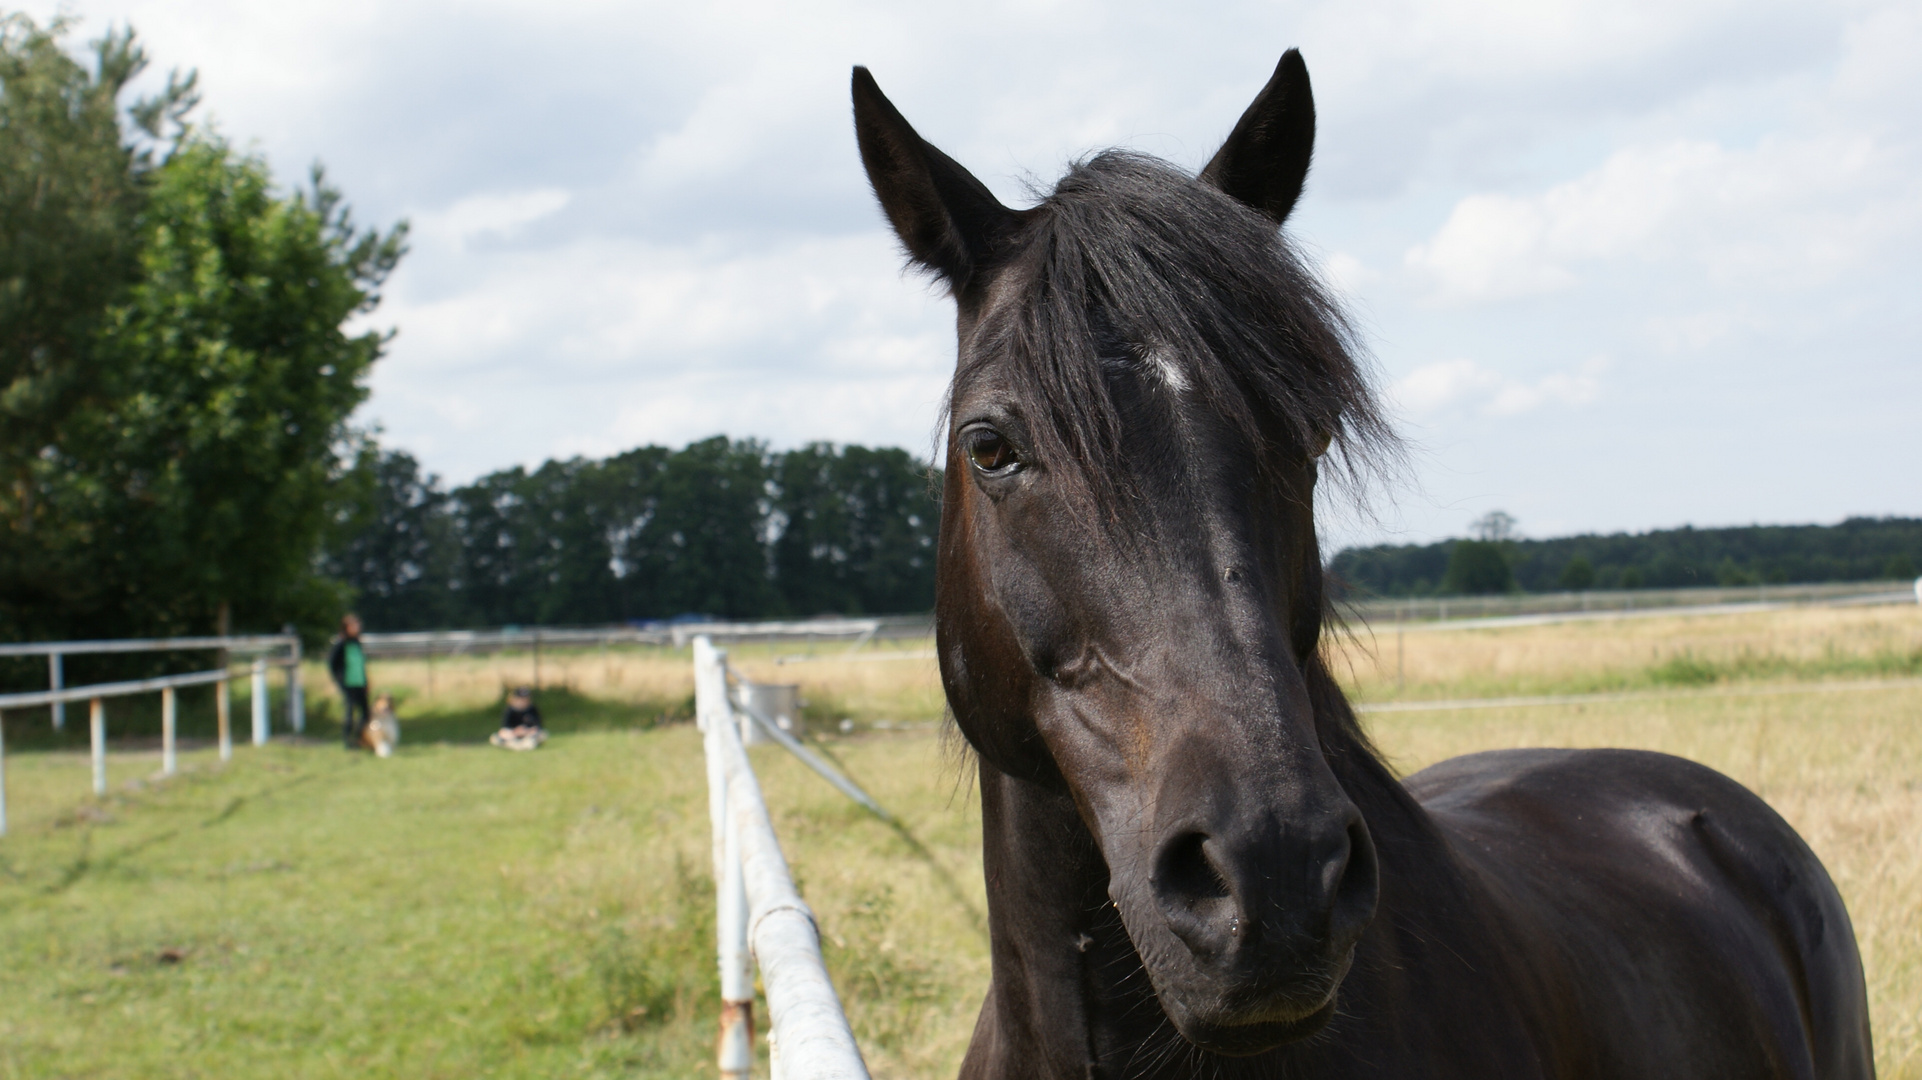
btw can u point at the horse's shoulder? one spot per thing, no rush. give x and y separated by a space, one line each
1557 775
1584 804
1632 861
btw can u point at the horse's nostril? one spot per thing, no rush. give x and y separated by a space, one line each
1194 896
1351 882
1184 874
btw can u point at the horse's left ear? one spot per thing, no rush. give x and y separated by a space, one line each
1265 159
947 219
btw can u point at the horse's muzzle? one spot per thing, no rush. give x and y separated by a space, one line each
1268 918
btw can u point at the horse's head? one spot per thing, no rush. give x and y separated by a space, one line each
1130 596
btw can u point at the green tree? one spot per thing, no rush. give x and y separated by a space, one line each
704 546
214 464
395 547
1578 575
71 187
857 530
177 435
1477 567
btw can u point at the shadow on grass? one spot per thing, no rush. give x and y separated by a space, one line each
564 712
138 719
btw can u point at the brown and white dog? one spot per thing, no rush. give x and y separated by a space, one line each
382 732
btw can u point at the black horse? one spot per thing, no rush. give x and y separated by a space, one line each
1196 863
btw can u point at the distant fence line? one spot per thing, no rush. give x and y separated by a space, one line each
1377 609
855 632
96 695
858 632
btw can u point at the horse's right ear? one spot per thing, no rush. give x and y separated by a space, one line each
1265 160
948 220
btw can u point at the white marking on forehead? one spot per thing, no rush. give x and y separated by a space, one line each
1163 363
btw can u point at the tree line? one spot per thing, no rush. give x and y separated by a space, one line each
723 528
1858 549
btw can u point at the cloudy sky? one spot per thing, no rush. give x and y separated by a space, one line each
1623 265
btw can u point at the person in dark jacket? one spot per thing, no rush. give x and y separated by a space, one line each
347 661
521 727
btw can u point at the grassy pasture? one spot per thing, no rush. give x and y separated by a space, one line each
457 910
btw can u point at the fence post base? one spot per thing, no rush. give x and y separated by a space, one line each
259 702
169 725
57 680
223 713
97 723
737 1039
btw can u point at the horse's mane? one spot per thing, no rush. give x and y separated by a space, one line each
1131 260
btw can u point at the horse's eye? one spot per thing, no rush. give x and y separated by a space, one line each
991 453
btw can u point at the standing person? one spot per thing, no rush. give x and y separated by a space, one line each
347 661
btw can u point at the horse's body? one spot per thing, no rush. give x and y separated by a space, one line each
1197 865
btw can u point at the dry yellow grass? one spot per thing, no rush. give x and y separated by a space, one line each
1627 653
890 683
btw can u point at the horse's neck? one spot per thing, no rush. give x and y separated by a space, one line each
1055 937
1070 997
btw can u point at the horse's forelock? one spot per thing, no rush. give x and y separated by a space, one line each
1131 259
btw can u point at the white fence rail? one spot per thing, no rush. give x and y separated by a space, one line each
97 694
857 632
761 915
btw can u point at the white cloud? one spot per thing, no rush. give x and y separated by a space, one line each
477 216
1464 384
1787 213
645 222
1348 274
601 344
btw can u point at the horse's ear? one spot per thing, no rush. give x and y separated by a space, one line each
1265 159
948 220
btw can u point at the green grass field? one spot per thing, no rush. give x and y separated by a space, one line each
461 911
452 911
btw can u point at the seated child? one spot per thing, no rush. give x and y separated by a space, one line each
382 731
521 724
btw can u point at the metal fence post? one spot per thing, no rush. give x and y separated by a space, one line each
296 701
735 1049
223 714
737 984
3 774
97 725
169 722
57 680
259 703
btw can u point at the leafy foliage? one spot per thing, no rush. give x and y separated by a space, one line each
177 382
856 530
1579 574
1859 549
720 527
1477 567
